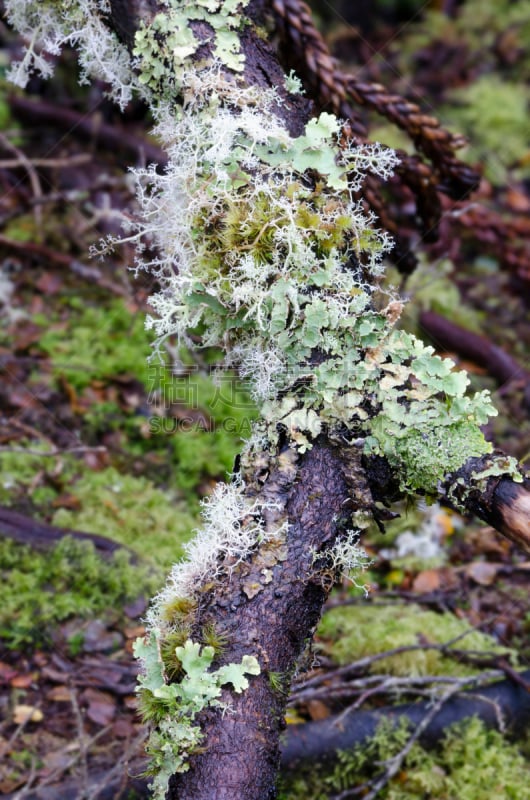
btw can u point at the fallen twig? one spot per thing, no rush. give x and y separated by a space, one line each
87 126
479 349
42 536
319 741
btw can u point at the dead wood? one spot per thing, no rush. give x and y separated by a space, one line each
447 335
504 702
41 536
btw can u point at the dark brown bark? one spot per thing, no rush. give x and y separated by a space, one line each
243 746
501 502
41 536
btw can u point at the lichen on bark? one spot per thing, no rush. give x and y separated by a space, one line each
263 249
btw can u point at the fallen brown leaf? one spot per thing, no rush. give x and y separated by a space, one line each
23 713
23 681
101 706
59 694
427 581
482 572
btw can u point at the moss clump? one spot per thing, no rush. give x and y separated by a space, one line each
28 476
472 763
131 511
98 344
356 632
40 590
493 112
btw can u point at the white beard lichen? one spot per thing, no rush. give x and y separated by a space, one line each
233 529
49 25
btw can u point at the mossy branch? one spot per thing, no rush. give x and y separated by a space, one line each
264 250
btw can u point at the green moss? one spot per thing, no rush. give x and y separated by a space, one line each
354 632
472 763
40 590
205 440
201 457
131 511
493 113
27 476
99 344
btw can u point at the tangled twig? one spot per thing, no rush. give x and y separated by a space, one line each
333 87
424 177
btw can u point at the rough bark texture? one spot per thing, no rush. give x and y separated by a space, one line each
274 624
125 17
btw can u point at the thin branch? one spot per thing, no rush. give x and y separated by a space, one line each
34 179
394 764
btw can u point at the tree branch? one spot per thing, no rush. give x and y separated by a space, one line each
275 623
262 245
504 705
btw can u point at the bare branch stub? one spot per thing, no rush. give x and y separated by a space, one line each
497 500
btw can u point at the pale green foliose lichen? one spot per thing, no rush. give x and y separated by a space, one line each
178 702
277 260
165 45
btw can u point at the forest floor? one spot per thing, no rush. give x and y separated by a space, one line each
104 456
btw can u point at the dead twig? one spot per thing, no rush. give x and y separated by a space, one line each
46 163
88 126
57 451
394 764
29 166
62 260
